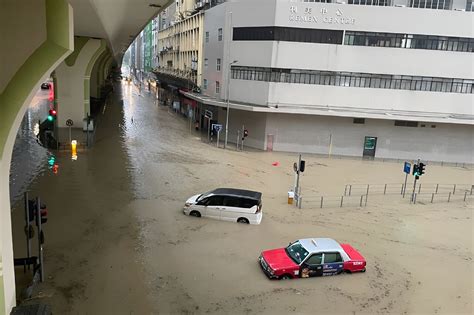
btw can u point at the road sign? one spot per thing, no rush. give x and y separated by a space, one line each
407 168
295 167
69 122
208 114
217 127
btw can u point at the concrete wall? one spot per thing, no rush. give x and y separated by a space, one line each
311 134
255 123
70 85
30 26
213 20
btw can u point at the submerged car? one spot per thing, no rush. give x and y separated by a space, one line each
227 204
311 257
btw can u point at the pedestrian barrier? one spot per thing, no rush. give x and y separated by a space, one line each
357 195
332 201
393 189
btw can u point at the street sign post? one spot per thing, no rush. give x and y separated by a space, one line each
69 123
406 170
217 128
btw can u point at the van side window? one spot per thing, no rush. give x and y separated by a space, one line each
248 203
215 201
232 202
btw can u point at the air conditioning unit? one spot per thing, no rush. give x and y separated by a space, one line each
400 6
459 9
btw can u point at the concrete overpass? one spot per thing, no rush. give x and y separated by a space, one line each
77 39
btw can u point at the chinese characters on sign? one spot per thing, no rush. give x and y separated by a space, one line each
328 16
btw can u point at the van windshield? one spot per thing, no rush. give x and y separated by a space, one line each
203 195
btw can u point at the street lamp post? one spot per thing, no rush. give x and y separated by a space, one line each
228 108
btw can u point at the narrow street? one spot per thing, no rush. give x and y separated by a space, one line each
117 242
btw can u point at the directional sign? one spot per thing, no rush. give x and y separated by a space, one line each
217 127
208 114
69 122
407 168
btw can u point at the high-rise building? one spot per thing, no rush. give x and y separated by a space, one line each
372 78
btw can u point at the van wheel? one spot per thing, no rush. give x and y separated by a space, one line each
285 277
195 213
243 220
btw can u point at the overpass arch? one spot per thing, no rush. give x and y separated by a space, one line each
48 27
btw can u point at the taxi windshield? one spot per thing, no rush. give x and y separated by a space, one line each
297 252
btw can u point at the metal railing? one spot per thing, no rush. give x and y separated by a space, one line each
393 189
356 195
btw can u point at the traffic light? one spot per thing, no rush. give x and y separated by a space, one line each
421 169
51 161
302 165
416 171
52 115
246 133
32 211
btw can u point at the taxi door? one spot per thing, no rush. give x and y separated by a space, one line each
312 266
332 263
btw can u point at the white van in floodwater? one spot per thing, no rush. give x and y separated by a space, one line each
227 204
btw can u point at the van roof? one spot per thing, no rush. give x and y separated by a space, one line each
237 193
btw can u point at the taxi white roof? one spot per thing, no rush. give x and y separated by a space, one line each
320 244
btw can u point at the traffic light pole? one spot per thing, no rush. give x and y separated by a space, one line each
414 182
297 187
40 232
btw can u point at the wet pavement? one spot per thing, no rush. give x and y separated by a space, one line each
29 159
117 242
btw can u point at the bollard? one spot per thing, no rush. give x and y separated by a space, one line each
361 197
300 200
454 189
366 199
449 197
345 189
322 201
432 197
368 189
465 195
437 185
419 188
385 189
342 199
414 197
350 189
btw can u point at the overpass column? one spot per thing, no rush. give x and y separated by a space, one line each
73 84
39 37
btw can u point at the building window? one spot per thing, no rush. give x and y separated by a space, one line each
431 4
405 123
370 2
218 87
204 84
218 64
359 121
288 34
206 63
219 34
207 37
413 41
354 79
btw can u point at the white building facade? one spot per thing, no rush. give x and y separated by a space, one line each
383 79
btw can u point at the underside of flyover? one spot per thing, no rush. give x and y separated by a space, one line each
76 41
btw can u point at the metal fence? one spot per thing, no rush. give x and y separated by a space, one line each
443 197
331 201
356 195
399 189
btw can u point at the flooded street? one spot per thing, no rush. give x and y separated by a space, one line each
29 159
117 242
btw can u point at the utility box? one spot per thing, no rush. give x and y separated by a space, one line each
291 196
